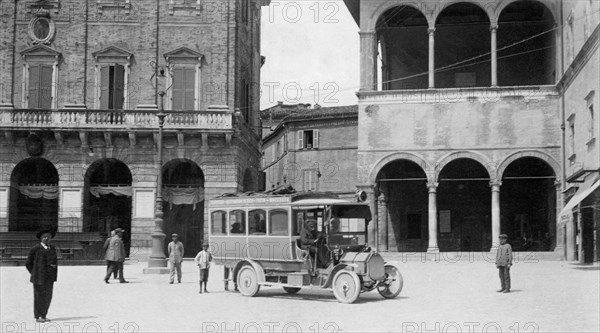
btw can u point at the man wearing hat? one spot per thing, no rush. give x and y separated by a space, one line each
175 258
115 255
504 259
42 265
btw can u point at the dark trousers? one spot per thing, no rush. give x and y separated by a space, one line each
204 274
504 272
115 266
108 267
42 295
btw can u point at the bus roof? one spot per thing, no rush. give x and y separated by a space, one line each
262 198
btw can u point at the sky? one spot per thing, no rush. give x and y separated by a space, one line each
312 54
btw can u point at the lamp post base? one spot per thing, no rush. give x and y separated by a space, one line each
156 270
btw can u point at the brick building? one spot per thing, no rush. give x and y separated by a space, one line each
312 149
461 110
80 83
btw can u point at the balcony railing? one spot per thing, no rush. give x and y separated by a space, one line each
111 119
453 95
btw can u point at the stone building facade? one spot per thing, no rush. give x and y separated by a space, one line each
81 85
311 148
580 87
460 119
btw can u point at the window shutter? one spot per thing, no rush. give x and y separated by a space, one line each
118 87
189 88
104 86
285 143
33 87
178 89
315 138
300 139
45 99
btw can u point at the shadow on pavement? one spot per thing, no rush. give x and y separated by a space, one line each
73 318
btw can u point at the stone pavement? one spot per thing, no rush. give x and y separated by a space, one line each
438 296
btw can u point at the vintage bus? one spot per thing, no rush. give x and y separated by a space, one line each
258 235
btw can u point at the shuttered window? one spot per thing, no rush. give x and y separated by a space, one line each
112 87
40 87
184 82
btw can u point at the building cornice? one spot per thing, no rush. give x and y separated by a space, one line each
582 58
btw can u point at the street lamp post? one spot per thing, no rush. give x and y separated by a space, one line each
157 263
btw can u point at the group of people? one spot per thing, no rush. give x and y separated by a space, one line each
42 263
202 259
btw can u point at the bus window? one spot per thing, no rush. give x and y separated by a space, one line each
237 222
257 224
297 222
219 222
278 222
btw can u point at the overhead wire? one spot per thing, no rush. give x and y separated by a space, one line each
458 63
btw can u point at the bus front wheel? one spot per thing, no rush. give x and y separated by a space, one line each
248 281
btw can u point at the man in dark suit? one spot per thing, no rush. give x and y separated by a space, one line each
115 255
42 265
504 259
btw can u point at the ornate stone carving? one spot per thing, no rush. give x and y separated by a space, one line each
41 28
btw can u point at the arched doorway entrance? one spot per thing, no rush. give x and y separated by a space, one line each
526 45
107 198
403 45
402 207
528 205
33 196
464 207
183 206
462 31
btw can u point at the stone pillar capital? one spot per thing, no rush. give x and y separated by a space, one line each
430 31
366 34
494 27
558 183
495 184
381 197
432 186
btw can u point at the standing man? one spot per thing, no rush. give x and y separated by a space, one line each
504 259
106 243
115 255
42 265
175 258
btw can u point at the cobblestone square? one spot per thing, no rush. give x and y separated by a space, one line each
438 296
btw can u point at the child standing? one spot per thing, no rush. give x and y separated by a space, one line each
504 260
203 259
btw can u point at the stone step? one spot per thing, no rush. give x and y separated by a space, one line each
518 256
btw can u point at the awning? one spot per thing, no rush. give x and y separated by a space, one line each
582 193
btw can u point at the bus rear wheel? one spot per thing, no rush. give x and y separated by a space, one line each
248 281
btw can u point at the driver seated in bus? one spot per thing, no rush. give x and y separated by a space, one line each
310 240
334 232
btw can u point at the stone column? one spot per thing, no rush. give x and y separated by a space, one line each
560 225
494 29
495 185
382 223
368 61
431 32
432 246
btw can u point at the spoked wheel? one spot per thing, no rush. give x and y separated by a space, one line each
291 290
346 286
393 283
248 281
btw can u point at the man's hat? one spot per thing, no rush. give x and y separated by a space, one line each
119 230
503 236
45 231
175 235
205 245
